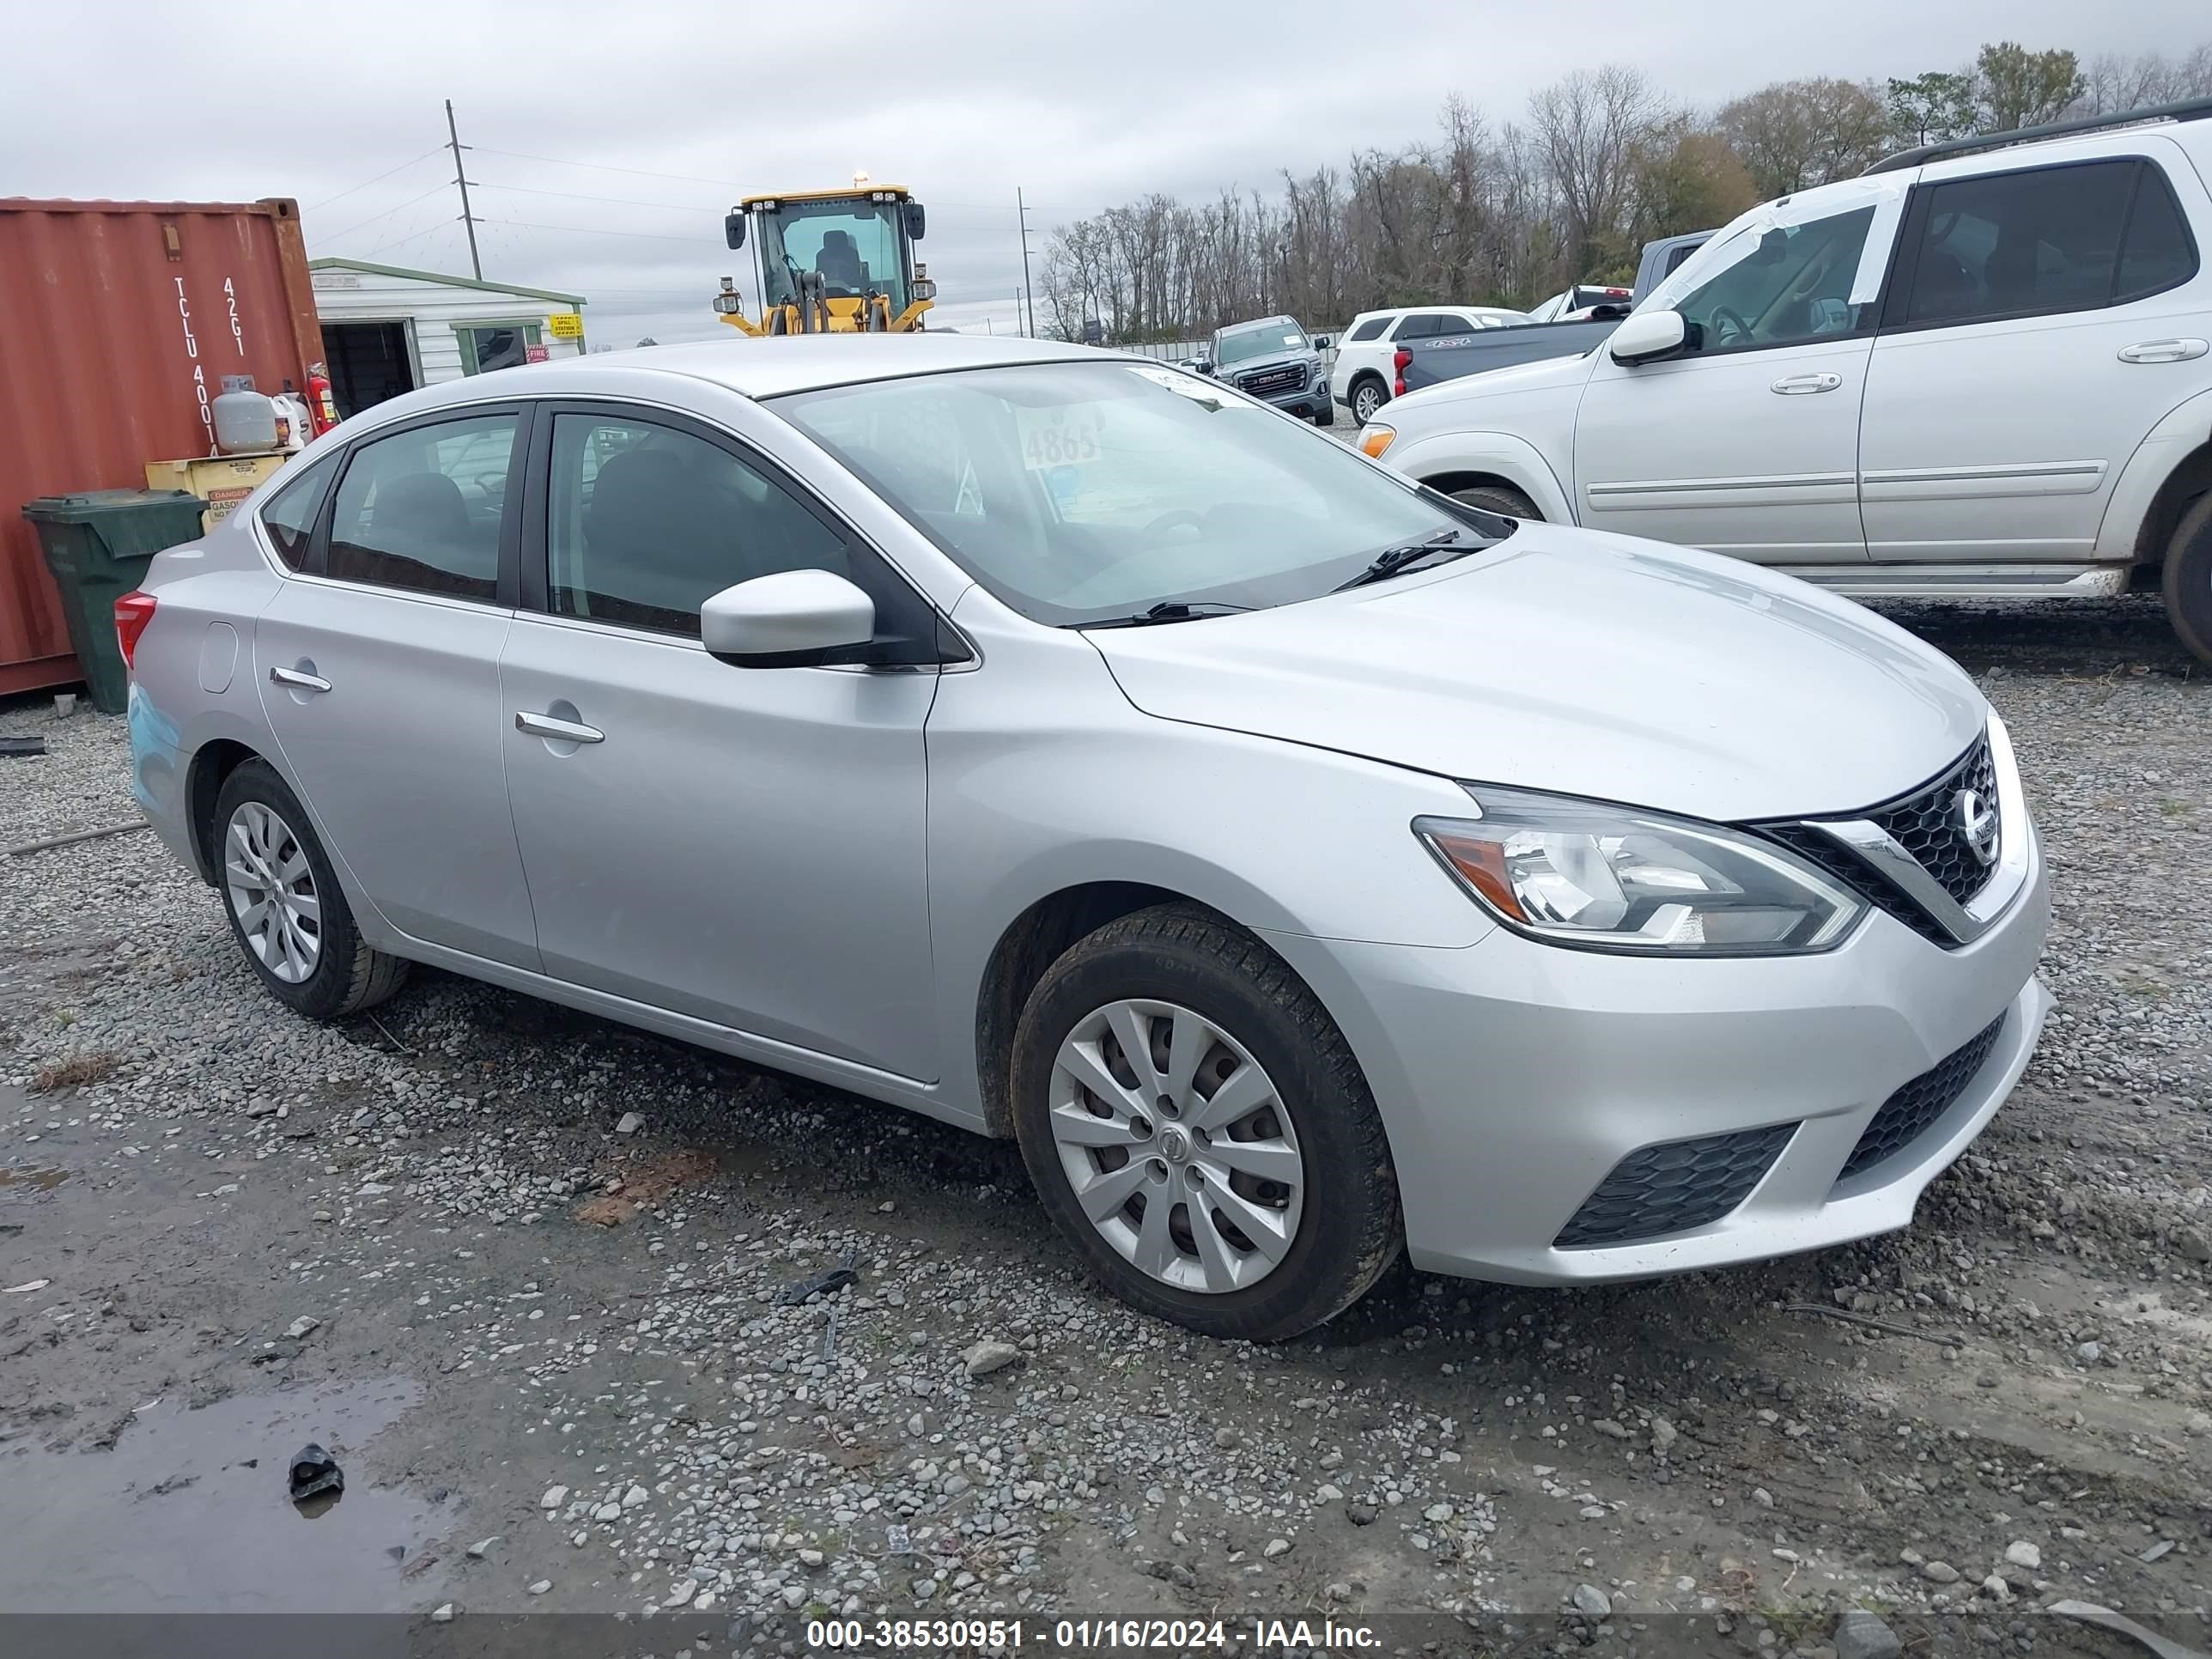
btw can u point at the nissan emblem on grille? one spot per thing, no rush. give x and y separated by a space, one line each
1977 820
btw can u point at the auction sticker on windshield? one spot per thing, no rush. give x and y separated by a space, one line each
1059 437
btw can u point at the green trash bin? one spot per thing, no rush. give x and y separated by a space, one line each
97 544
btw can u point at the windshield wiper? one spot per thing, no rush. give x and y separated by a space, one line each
1167 610
1392 560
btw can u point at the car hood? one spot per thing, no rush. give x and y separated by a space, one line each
1581 664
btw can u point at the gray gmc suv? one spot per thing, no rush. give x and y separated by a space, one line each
1274 358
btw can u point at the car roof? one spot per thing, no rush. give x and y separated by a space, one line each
1257 322
757 368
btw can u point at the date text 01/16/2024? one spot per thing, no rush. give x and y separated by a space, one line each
1075 1636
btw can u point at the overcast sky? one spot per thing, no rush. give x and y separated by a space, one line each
611 138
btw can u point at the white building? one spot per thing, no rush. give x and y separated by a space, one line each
387 330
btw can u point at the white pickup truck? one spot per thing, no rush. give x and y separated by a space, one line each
1982 370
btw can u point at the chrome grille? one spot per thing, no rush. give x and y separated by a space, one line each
1268 382
1925 823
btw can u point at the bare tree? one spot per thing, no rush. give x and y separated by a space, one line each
1796 134
1589 127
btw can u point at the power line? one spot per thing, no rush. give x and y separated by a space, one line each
603 167
388 212
617 201
593 230
328 200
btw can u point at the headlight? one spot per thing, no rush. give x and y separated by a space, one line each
1374 440
1616 878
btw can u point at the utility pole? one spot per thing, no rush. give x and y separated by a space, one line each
460 177
1029 302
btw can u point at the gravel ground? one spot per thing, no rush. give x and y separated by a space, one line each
584 1343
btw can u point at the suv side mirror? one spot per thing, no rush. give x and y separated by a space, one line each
1323 342
794 619
1648 335
733 229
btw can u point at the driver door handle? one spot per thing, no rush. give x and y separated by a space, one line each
544 726
1791 384
299 679
2163 351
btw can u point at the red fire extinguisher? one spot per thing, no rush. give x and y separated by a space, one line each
322 407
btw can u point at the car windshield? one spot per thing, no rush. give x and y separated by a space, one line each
1083 492
854 244
1261 340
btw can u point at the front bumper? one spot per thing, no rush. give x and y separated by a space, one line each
1514 1076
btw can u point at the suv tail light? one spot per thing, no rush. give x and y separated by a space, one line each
132 612
1398 361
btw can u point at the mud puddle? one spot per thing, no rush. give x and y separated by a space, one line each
189 1513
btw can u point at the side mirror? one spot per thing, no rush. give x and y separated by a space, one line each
733 229
794 619
1203 366
1323 342
1647 335
916 222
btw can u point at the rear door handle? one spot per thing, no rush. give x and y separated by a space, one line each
544 726
1790 385
2163 351
299 678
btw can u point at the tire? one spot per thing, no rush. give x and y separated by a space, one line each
1327 416
1334 1221
2188 580
1499 498
1367 395
317 965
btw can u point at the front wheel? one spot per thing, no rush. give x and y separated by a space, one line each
283 903
1325 415
1198 1129
1497 498
2188 580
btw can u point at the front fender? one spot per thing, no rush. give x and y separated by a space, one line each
1499 454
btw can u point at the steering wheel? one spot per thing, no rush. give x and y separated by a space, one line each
1725 315
1171 520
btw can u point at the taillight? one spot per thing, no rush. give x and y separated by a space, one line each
132 612
1398 368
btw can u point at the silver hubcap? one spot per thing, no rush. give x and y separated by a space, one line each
1177 1146
1365 402
271 887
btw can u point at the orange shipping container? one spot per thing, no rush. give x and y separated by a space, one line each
118 321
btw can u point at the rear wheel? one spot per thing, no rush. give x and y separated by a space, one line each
1500 498
1367 395
2188 580
1199 1130
285 910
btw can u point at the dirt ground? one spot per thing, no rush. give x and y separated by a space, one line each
567 1369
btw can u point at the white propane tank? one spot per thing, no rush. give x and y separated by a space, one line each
244 421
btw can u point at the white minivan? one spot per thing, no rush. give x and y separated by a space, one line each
1982 370
1361 379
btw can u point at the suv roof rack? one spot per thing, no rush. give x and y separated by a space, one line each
2192 109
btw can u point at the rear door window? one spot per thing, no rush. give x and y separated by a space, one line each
2043 240
421 510
1370 329
289 521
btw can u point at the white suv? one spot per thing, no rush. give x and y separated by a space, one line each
1362 380
1983 370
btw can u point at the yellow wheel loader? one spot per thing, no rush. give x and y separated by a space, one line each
830 262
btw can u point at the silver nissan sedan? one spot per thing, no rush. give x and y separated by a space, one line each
1301 865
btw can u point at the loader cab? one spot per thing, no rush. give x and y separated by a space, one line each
852 248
